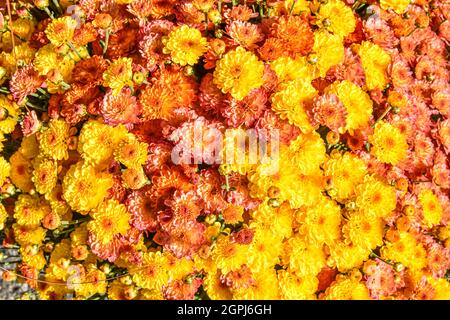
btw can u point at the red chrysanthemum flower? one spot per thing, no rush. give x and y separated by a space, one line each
89 71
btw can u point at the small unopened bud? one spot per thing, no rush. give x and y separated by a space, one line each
106 268
126 280
80 252
41 4
399 267
9 276
332 137
273 192
214 16
139 78
274 203
102 21
130 293
409 210
188 71
51 221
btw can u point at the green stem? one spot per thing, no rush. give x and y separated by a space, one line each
32 106
383 115
292 7
374 255
206 20
57 6
43 92
49 13
4 90
105 48
71 46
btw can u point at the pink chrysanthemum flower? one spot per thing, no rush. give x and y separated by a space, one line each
24 82
245 34
329 111
247 111
350 69
379 32
120 109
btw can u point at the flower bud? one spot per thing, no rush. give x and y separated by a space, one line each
41 4
102 21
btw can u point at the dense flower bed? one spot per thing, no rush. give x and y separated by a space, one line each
96 94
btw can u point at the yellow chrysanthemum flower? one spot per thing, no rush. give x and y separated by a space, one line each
29 210
336 17
375 197
388 143
356 101
118 75
295 6
152 274
304 259
375 62
58 205
5 170
288 69
28 235
278 220
215 288
29 147
407 251
228 255
177 269
92 282
321 222
60 31
288 103
431 208
45 175
47 59
347 288
328 51
297 188
295 288
23 54
399 6
130 152
345 172
441 288
21 172
307 152
239 72
2 139
265 249
363 231
61 251
97 141
35 260
264 287
3 216
346 257
185 45
53 141
84 188
9 115
110 219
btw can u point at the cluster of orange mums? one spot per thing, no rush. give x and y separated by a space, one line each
96 94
